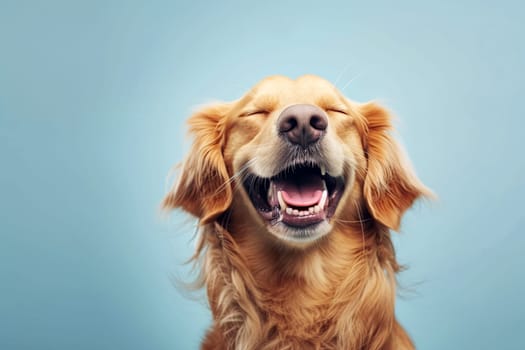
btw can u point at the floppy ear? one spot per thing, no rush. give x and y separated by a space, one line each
390 185
202 188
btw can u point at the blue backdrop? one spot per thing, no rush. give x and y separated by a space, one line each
93 98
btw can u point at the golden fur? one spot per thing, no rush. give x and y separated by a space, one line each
337 292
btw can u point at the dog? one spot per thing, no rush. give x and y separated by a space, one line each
296 189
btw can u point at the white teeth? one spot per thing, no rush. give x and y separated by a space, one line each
282 203
310 211
323 170
323 199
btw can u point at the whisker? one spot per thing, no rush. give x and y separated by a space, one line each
353 221
241 173
238 174
361 224
341 74
351 80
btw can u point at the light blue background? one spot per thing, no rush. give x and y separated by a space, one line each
93 98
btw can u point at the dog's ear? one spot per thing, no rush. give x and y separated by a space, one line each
390 185
203 189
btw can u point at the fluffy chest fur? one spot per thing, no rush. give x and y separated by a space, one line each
311 303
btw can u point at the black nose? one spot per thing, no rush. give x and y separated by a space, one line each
302 124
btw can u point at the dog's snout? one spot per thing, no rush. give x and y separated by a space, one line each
302 124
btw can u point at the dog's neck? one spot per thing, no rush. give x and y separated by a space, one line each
340 292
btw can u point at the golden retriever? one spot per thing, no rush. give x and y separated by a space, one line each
296 189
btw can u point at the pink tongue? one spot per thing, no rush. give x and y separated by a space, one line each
303 192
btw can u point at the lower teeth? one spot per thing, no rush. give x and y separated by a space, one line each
296 212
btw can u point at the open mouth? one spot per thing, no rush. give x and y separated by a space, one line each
300 196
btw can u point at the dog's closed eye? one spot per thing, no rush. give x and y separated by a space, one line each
254 112
340 110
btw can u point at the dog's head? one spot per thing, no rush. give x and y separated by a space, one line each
294 157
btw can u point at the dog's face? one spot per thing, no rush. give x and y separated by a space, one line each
294 157
296 145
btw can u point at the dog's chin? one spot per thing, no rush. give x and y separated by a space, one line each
298 203
299 236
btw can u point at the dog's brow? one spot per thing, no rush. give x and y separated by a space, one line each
266 102
329 102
